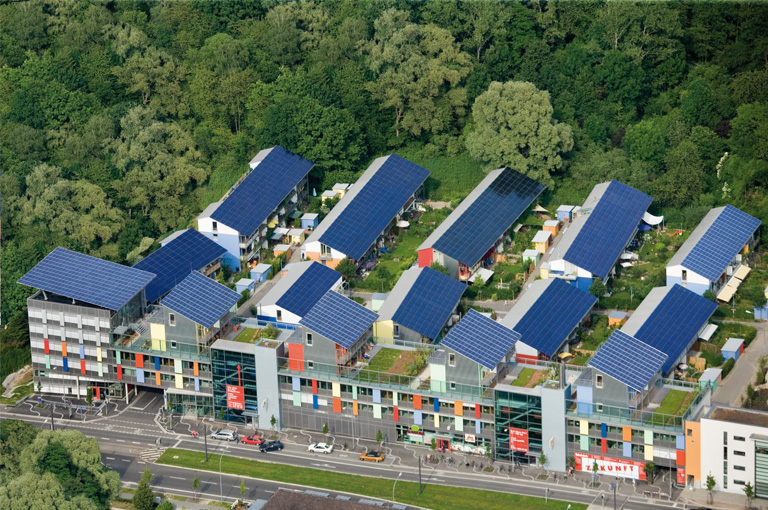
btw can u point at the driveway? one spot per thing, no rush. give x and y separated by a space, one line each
734 387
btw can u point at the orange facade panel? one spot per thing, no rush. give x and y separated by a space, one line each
626 434
355 408
336 405
196 367
693 450
417 402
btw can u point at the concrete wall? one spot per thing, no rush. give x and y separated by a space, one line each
693 448
226 237
268 387
311 251
553 428
286 316
451 265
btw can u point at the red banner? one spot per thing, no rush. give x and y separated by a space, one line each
681 476
518 440
235 397
608 465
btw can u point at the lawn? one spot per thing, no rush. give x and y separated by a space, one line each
598 333
23 390
441 497
451 177
726 330
529 378
248 335
392 361
675 403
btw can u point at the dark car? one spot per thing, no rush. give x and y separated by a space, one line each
271 446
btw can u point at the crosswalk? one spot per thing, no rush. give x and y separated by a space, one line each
151 454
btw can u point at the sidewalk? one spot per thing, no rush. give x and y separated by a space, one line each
723 500
734 387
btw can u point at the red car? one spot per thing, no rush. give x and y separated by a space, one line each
252 440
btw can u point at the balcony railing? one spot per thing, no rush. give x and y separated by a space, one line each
623 415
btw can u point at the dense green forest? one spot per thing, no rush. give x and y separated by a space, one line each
120 121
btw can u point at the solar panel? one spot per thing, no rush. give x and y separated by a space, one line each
307 290
262 191
608 229
190 251
365 217
339 319
488 217
201 299
481 339
87 279
553 316
628 360
675 323
721 242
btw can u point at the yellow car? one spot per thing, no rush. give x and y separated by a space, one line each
372 456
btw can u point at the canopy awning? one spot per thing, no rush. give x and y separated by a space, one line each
707 332
403 224
742 272
726 293
483 273
651 219
539 208
626 264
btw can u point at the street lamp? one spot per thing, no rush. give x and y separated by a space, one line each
393 487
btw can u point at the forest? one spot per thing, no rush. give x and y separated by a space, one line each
121 120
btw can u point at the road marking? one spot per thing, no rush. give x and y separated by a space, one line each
126 460
110 458
177 478
135 442
142 462
271 492
105 438
120 440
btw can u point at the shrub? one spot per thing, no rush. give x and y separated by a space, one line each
728 366
714 359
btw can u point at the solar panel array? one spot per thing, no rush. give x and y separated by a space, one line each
721 242
87 279
307 290
488 217
481 339
675 323
190 251
339 319
262 191
552 317
201 299
365 217
429 302
628 360
608 229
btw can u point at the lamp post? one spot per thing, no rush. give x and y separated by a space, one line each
393 487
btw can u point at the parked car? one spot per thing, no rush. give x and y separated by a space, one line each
226 435
254 439
372 456
320 448
271 446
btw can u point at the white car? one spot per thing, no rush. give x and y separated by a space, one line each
320 448
227 435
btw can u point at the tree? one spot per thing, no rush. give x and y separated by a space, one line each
598 289
379 437
243 488
711 488
650 471
165 505
543 460
196 487
515 128
749 493
437 266
418 69
645 141
272 423
347 269
595 469
325 430
684 181
749 130
89 396
144 498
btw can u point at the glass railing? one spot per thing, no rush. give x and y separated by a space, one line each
623 415
144 346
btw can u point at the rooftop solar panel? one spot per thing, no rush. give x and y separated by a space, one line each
339 319
189 251
721 242
429 303
628 360
488 217
481 339
552 317
608 229
675 323
201 299
369 211
87 279
313 283
262 191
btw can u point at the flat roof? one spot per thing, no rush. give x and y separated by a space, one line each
232 346
732 344
542 236
737 415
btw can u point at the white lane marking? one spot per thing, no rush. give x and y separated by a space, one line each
177 478
126 460
120 440
110 458
135 442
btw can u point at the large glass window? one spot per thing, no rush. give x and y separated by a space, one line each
521 412
224 365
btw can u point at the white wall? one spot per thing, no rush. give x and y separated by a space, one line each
206 225
566 268
712 453
694 281
286 316
314 248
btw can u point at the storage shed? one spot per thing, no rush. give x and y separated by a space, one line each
296 236
565 213
260 273
552 226
541 241
616 318
710 377
733 348
245 283
283 248
309 221
531 256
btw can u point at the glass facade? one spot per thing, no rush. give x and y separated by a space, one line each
185 404
761 469
224 365
521 412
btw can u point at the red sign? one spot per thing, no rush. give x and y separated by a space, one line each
681 475
518 440
235 397
608 465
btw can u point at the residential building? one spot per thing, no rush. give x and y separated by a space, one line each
476 228
357 227
263 199
712 258
591 245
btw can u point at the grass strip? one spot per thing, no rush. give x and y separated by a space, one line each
441 497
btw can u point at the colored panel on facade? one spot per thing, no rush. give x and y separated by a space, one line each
82 351
197 384
82 366
235 397
177 367
436 406
139 361
584 443
337 405
157 362
648 437
139 375
119 373
584 427
119 358
626 434
355 408
296 357
46 346
396 414
377 411
65 364
314 386
603 430
604 445
354 392
295 383
98 354
296 399
101 369
376 396
627 449
459 424
314 402
417 402
518 440
478 427
648 453
158 381
179 381
394 398
458 408
680 458
336 389
417 418
48 361
680 442
478 410
64 349
437 421
196 368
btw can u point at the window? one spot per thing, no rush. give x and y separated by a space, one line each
173 345
739 454
451 359
309 338
279 315
689 432
215 237
725 437
599 381
397 330
172 319
685 275
310 364
739 468
599 408
215 225
453 385
739 482
738 438
725 482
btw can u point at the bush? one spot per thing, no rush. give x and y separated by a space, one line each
270 332
243 297
728 366
165 505
714 359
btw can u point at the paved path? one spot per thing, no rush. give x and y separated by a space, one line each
733 388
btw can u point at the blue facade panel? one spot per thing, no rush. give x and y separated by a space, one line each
139 375
583 283
65 362
314 402
627 449
231 243
157 362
